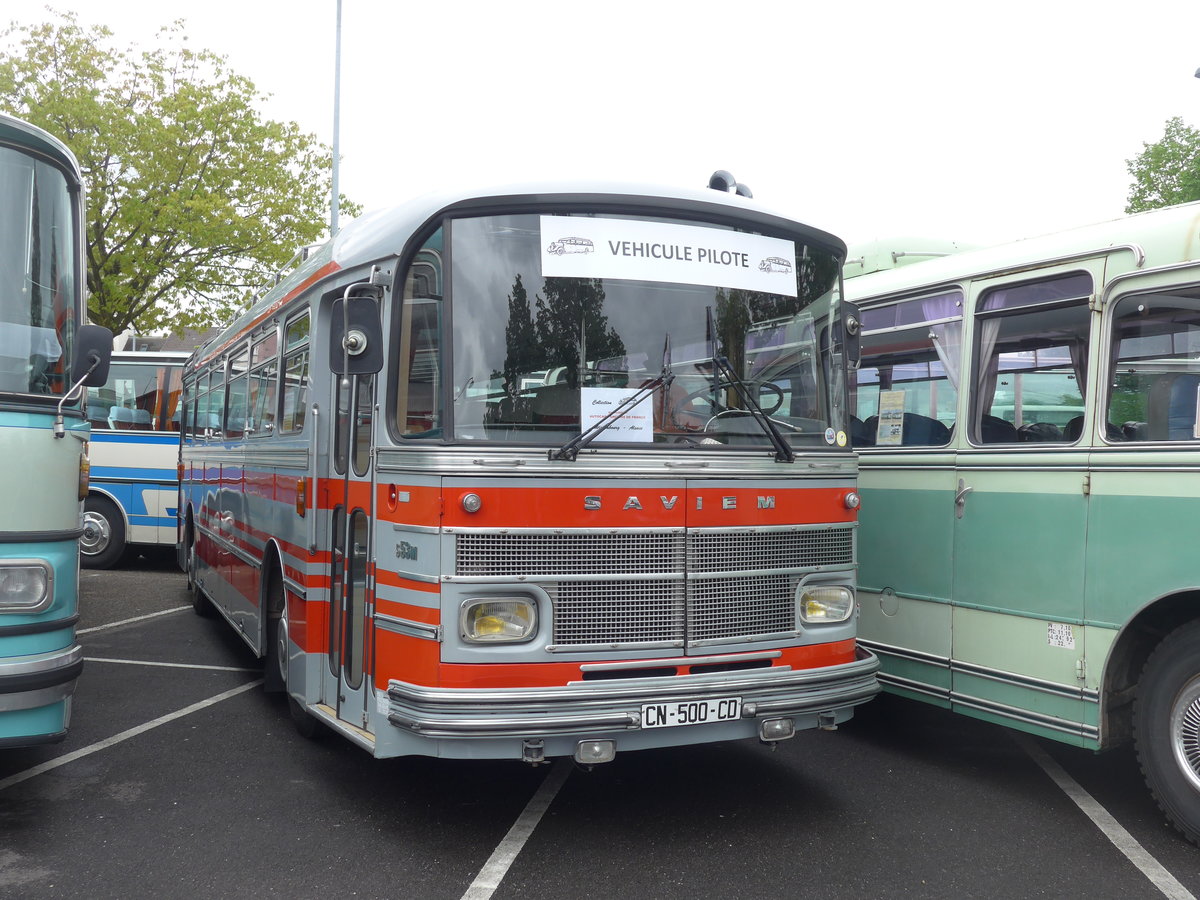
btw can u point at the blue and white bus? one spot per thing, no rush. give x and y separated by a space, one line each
46 355
130 506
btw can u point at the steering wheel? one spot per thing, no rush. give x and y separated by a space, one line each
681 404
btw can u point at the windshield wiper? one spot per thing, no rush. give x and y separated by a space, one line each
722 370
571 448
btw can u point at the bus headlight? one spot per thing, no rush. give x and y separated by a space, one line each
27 587
821 603
496 620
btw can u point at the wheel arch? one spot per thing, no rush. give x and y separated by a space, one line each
1133 646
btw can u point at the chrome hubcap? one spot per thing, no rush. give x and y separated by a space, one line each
1185 731
97 534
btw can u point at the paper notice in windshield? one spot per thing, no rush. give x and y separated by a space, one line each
635 424
577 247
890 430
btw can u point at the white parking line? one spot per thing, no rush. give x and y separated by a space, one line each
124 735
505 854
1103 819
153 615
167 665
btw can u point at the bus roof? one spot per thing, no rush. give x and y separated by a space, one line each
1142 241
17 131
384 233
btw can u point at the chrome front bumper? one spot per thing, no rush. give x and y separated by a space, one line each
29 682
585 708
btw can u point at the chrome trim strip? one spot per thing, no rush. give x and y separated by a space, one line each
1070 692
413 576
583 707
679 661
942 662
1053 723
408 627
419 529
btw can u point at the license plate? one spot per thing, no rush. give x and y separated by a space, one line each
691 712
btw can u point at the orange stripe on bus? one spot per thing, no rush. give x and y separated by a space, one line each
410 659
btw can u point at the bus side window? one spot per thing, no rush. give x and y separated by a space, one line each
1031 347
235 410
418 396
1155 388
906 387
295 374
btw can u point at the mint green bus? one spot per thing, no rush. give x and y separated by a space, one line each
1028 423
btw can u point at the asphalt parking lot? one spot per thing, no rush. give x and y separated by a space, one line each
181 777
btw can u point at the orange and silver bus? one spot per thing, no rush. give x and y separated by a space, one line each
470 496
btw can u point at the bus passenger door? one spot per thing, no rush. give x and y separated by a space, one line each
347 677
1021 509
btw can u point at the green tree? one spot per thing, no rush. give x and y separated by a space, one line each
194 199
1166 172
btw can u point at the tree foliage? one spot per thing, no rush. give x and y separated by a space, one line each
194 199
1168 171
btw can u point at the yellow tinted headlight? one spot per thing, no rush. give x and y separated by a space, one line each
826 603
507 619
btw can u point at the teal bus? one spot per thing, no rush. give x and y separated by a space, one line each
46 357
1028 423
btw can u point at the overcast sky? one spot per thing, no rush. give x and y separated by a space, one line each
971 121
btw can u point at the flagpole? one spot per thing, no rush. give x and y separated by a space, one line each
337 99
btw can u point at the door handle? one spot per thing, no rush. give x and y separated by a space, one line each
960 499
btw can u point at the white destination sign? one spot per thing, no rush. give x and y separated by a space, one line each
635 424
578 247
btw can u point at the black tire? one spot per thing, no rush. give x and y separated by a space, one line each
1166 727
200 603
275 604
102 544
275 675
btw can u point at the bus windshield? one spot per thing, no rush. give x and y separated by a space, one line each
37 275
548 337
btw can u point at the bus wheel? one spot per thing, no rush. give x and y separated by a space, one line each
102 543
278 652
1166 724
199 602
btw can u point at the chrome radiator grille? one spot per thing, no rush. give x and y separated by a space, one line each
627 588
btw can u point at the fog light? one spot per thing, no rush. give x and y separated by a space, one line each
472 503
821 603
591 753
852 500
511 619
770 730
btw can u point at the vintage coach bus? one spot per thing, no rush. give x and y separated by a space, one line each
471 496
134 489
1028 419
46 356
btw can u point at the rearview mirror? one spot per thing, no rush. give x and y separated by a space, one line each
355 337
93 352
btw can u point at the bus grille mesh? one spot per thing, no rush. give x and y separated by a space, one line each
611 589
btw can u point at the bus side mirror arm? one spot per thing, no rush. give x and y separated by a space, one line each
851 332
93 352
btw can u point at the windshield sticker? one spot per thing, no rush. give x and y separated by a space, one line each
578 247
830 436
890 431
635 424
